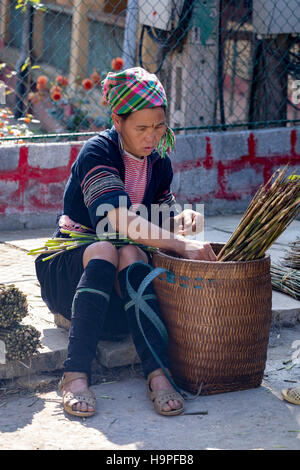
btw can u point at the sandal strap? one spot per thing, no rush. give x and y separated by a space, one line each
66 380
161 397
87 397
156 373
292 395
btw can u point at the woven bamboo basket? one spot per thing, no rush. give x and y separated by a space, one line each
218 317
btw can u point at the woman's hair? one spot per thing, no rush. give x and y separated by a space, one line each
126 115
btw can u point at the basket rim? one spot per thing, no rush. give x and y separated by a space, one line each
158 252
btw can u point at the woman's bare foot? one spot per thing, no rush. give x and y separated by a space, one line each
77 386
160 382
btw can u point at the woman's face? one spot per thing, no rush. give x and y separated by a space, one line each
142 130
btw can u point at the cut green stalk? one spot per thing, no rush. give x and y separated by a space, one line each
59 245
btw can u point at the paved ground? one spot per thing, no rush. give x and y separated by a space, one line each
33 418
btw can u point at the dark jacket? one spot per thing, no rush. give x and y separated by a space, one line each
98 175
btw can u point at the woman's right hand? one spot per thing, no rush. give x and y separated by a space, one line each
195 250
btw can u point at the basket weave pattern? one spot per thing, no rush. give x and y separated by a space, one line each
218 317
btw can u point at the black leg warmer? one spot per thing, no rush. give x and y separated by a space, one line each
89 307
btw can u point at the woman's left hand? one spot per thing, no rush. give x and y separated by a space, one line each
188 222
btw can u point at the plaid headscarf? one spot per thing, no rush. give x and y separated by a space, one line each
135 89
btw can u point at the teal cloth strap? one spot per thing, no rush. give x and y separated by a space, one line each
93 291
139 300
145 297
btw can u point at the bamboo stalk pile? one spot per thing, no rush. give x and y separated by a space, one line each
13 306
272 209
286 280
21 341
292 257
285 275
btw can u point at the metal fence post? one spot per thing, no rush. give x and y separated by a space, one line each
79 41
24 63
131 25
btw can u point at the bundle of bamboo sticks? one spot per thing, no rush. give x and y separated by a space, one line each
275 205
21 341
13 305
74 239
292 257
286 280
285 274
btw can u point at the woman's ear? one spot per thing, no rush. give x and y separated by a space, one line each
117 121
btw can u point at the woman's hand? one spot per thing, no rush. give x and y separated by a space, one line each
195 250
188 222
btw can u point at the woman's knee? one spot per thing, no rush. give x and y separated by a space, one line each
101 250
129 254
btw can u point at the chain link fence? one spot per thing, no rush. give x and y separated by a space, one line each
224 63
